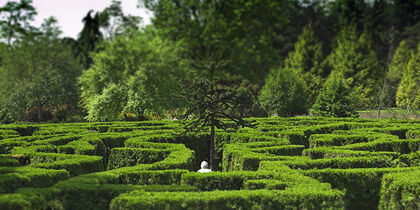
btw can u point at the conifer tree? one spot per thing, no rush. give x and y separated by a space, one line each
397 67
408 94
284 93
355 61
306 60
333 100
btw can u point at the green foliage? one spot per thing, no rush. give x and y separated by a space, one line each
362 186
15 19
214 33
400 191
307 61
12 178
136 74
39 72
408 93
284 93
355 62
281 162
228 200
396 70
121 157
333 100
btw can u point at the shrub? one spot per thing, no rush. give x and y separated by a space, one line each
400 191
244 199
333 100
362 186
121 157
284 93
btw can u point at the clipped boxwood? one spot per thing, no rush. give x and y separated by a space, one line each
400 191
122 157
244 199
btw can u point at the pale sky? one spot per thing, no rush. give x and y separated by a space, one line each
70 13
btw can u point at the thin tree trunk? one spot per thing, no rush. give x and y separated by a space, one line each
40 116
212 150
388 61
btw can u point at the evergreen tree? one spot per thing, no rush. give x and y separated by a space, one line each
333 100
88 38
408 94
355 61
397 67
306 60
284 93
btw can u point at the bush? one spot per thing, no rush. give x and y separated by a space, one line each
400 191
244 199
362 186
122 157
333 100
284 93
12 178
222 180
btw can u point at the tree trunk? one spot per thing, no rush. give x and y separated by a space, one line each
40 116
212 150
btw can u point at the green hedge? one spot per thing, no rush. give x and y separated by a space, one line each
122 157
284 150
347 138
400 191
8 160
342 162
402 146
12 178
244 199
412 159
133 175
268 184
74 164
362 186
413 134
222 180
333 152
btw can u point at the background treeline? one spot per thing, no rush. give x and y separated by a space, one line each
288 57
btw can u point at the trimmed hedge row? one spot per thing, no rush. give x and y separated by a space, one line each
280 164
12 178
122 157
243 199
400 191
342 162
362 186
74 164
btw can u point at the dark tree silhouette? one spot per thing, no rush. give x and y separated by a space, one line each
211 102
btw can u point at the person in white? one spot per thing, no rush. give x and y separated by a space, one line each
204 167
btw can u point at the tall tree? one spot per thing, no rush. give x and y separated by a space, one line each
242 36
211 102
113 21
397 68
355 61
15 18
38 72
135 74
89 37
307 61
408 93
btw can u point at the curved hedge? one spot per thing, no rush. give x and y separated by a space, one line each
281 163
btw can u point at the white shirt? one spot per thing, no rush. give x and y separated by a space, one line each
204 170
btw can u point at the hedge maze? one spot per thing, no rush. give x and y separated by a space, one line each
281 163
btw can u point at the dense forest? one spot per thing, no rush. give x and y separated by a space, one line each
248 58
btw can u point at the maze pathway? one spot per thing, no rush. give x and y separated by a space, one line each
280 163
